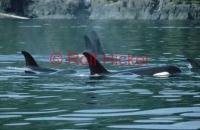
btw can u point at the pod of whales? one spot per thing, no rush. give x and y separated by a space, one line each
94 46
97 68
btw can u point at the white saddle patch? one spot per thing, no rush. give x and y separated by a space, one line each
162 74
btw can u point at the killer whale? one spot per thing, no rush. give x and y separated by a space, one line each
97 68
34 68
93 44
32 65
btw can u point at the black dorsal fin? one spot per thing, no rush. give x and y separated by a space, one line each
94 65
29 59
97 42
93 43
88 44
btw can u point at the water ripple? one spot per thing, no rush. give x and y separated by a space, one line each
9 116
31 113
190 125
162 111
58 119
105 110
18 124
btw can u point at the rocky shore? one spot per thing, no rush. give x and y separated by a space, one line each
104 9
146 9
45 8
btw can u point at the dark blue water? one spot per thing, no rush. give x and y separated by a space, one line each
75 101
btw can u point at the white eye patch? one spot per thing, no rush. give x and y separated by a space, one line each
162 74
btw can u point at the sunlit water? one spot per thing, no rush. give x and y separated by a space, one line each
75 101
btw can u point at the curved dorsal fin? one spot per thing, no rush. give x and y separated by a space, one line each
97 42
94 65
93 43
88 43
29 59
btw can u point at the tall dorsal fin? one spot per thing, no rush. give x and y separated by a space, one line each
97 42
95 66
29 59
93 43
88 44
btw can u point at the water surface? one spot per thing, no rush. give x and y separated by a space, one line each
75 101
